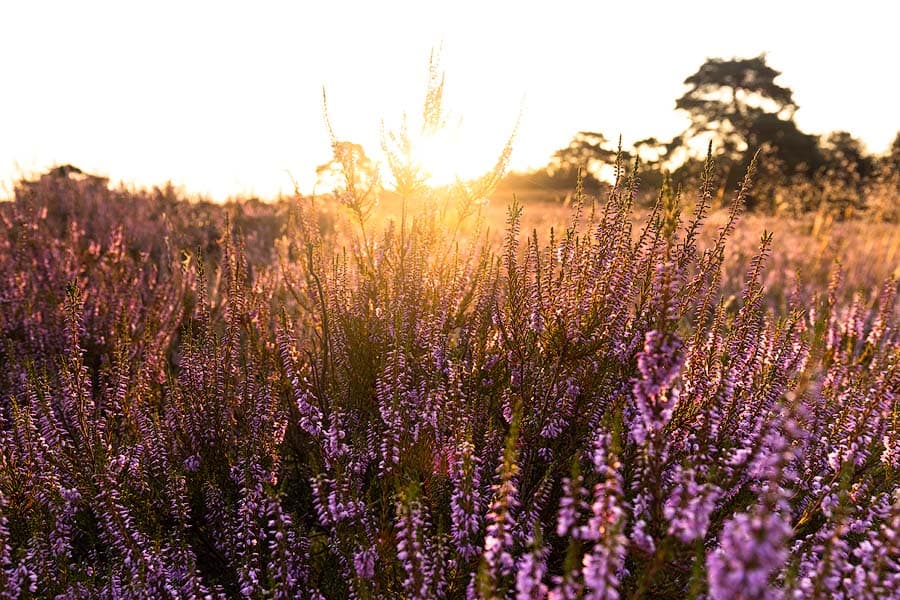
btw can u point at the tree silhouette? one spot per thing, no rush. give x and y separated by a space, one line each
350 168
846 155
738 102
726 97
796 151
892 159
587 151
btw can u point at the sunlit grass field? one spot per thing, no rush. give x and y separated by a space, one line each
806 249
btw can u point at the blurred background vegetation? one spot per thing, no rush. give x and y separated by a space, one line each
737 106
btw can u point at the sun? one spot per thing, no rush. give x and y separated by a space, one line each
449 155
440 150
445 155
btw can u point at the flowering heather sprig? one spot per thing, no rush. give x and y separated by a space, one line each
249 528
311 418
142 566
603 565
856 553
465 501
567 586
654 397
497 562
351 533
400 406
530 571
753 546
288 567
61 536
534 507
12 580
751 550
571 506
416 552
333 501
689 506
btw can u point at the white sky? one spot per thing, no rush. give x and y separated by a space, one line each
224 97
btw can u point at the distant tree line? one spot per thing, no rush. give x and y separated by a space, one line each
737 106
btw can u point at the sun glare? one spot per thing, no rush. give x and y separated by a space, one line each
441 150
448 156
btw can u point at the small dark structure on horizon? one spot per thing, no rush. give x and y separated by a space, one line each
61 174
64 171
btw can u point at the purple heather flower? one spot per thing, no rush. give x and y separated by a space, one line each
602 569
752 548
602 565
192 463
498 540
659 364
689 506
465 501
571 505
364 563
567 587
415 551
530 572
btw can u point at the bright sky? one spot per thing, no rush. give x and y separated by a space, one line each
225 97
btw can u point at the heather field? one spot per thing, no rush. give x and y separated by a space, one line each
423 300
436 397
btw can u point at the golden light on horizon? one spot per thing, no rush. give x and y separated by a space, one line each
454 153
